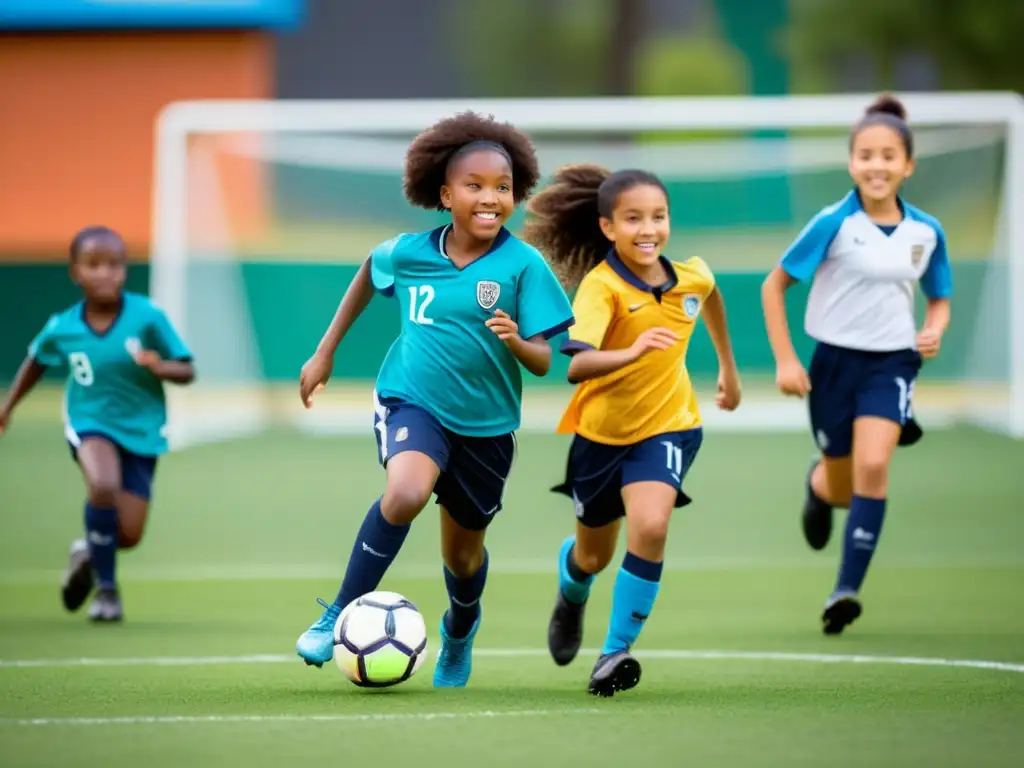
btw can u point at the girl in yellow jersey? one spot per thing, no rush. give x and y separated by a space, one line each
634 414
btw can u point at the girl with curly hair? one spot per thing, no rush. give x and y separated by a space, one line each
476 303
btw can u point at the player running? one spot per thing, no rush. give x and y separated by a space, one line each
634 413
119 349
476 303
862 255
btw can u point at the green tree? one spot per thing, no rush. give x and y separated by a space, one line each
976 44
691 66
533 47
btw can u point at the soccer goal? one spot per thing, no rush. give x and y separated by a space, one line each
263 210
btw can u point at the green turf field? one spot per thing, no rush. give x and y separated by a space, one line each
246 535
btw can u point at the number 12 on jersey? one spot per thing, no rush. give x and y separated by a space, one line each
420 297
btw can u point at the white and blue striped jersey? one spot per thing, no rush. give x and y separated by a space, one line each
862 274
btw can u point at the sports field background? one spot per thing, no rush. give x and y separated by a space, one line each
245 535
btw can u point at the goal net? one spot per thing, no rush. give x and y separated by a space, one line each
264 210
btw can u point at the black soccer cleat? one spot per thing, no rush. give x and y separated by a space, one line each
817 516
78 579
565 630
316 664
614 672
841 610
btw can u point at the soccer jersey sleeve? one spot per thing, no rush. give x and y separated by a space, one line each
43 348
802 258
937 280
541 305
702 272
165 339
382 267
593 307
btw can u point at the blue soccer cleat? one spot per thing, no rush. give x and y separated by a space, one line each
316 644
455 659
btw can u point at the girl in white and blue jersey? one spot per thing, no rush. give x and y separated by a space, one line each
862 256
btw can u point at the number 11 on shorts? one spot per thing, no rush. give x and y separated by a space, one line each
673 458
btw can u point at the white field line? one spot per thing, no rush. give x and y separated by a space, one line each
671 655
339 718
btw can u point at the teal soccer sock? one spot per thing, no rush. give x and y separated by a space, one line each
574 583
636 588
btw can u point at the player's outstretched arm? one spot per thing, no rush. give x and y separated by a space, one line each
317 370
534 353
728 397
790 375
936 321
356 299
595 363
173 371
27 377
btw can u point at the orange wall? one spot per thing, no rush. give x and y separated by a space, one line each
77 124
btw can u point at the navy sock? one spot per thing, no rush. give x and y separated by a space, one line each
375 548
863 527
101 533
636 588
464 600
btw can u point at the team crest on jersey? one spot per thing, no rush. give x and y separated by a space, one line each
916 254
487 293
132 346
691 305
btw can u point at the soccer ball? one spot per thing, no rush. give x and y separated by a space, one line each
379 640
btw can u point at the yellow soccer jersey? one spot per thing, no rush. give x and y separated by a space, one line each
652 395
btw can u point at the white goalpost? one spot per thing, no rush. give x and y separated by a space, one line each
259 208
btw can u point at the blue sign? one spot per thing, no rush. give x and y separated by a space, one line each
149 14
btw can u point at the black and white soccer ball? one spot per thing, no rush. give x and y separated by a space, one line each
380 639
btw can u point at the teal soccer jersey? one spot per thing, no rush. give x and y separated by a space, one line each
106 391
446 360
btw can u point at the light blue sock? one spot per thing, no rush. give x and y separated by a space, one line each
636 588
574 583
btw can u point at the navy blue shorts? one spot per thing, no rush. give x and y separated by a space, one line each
474 470
137 471
596 473
848 383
